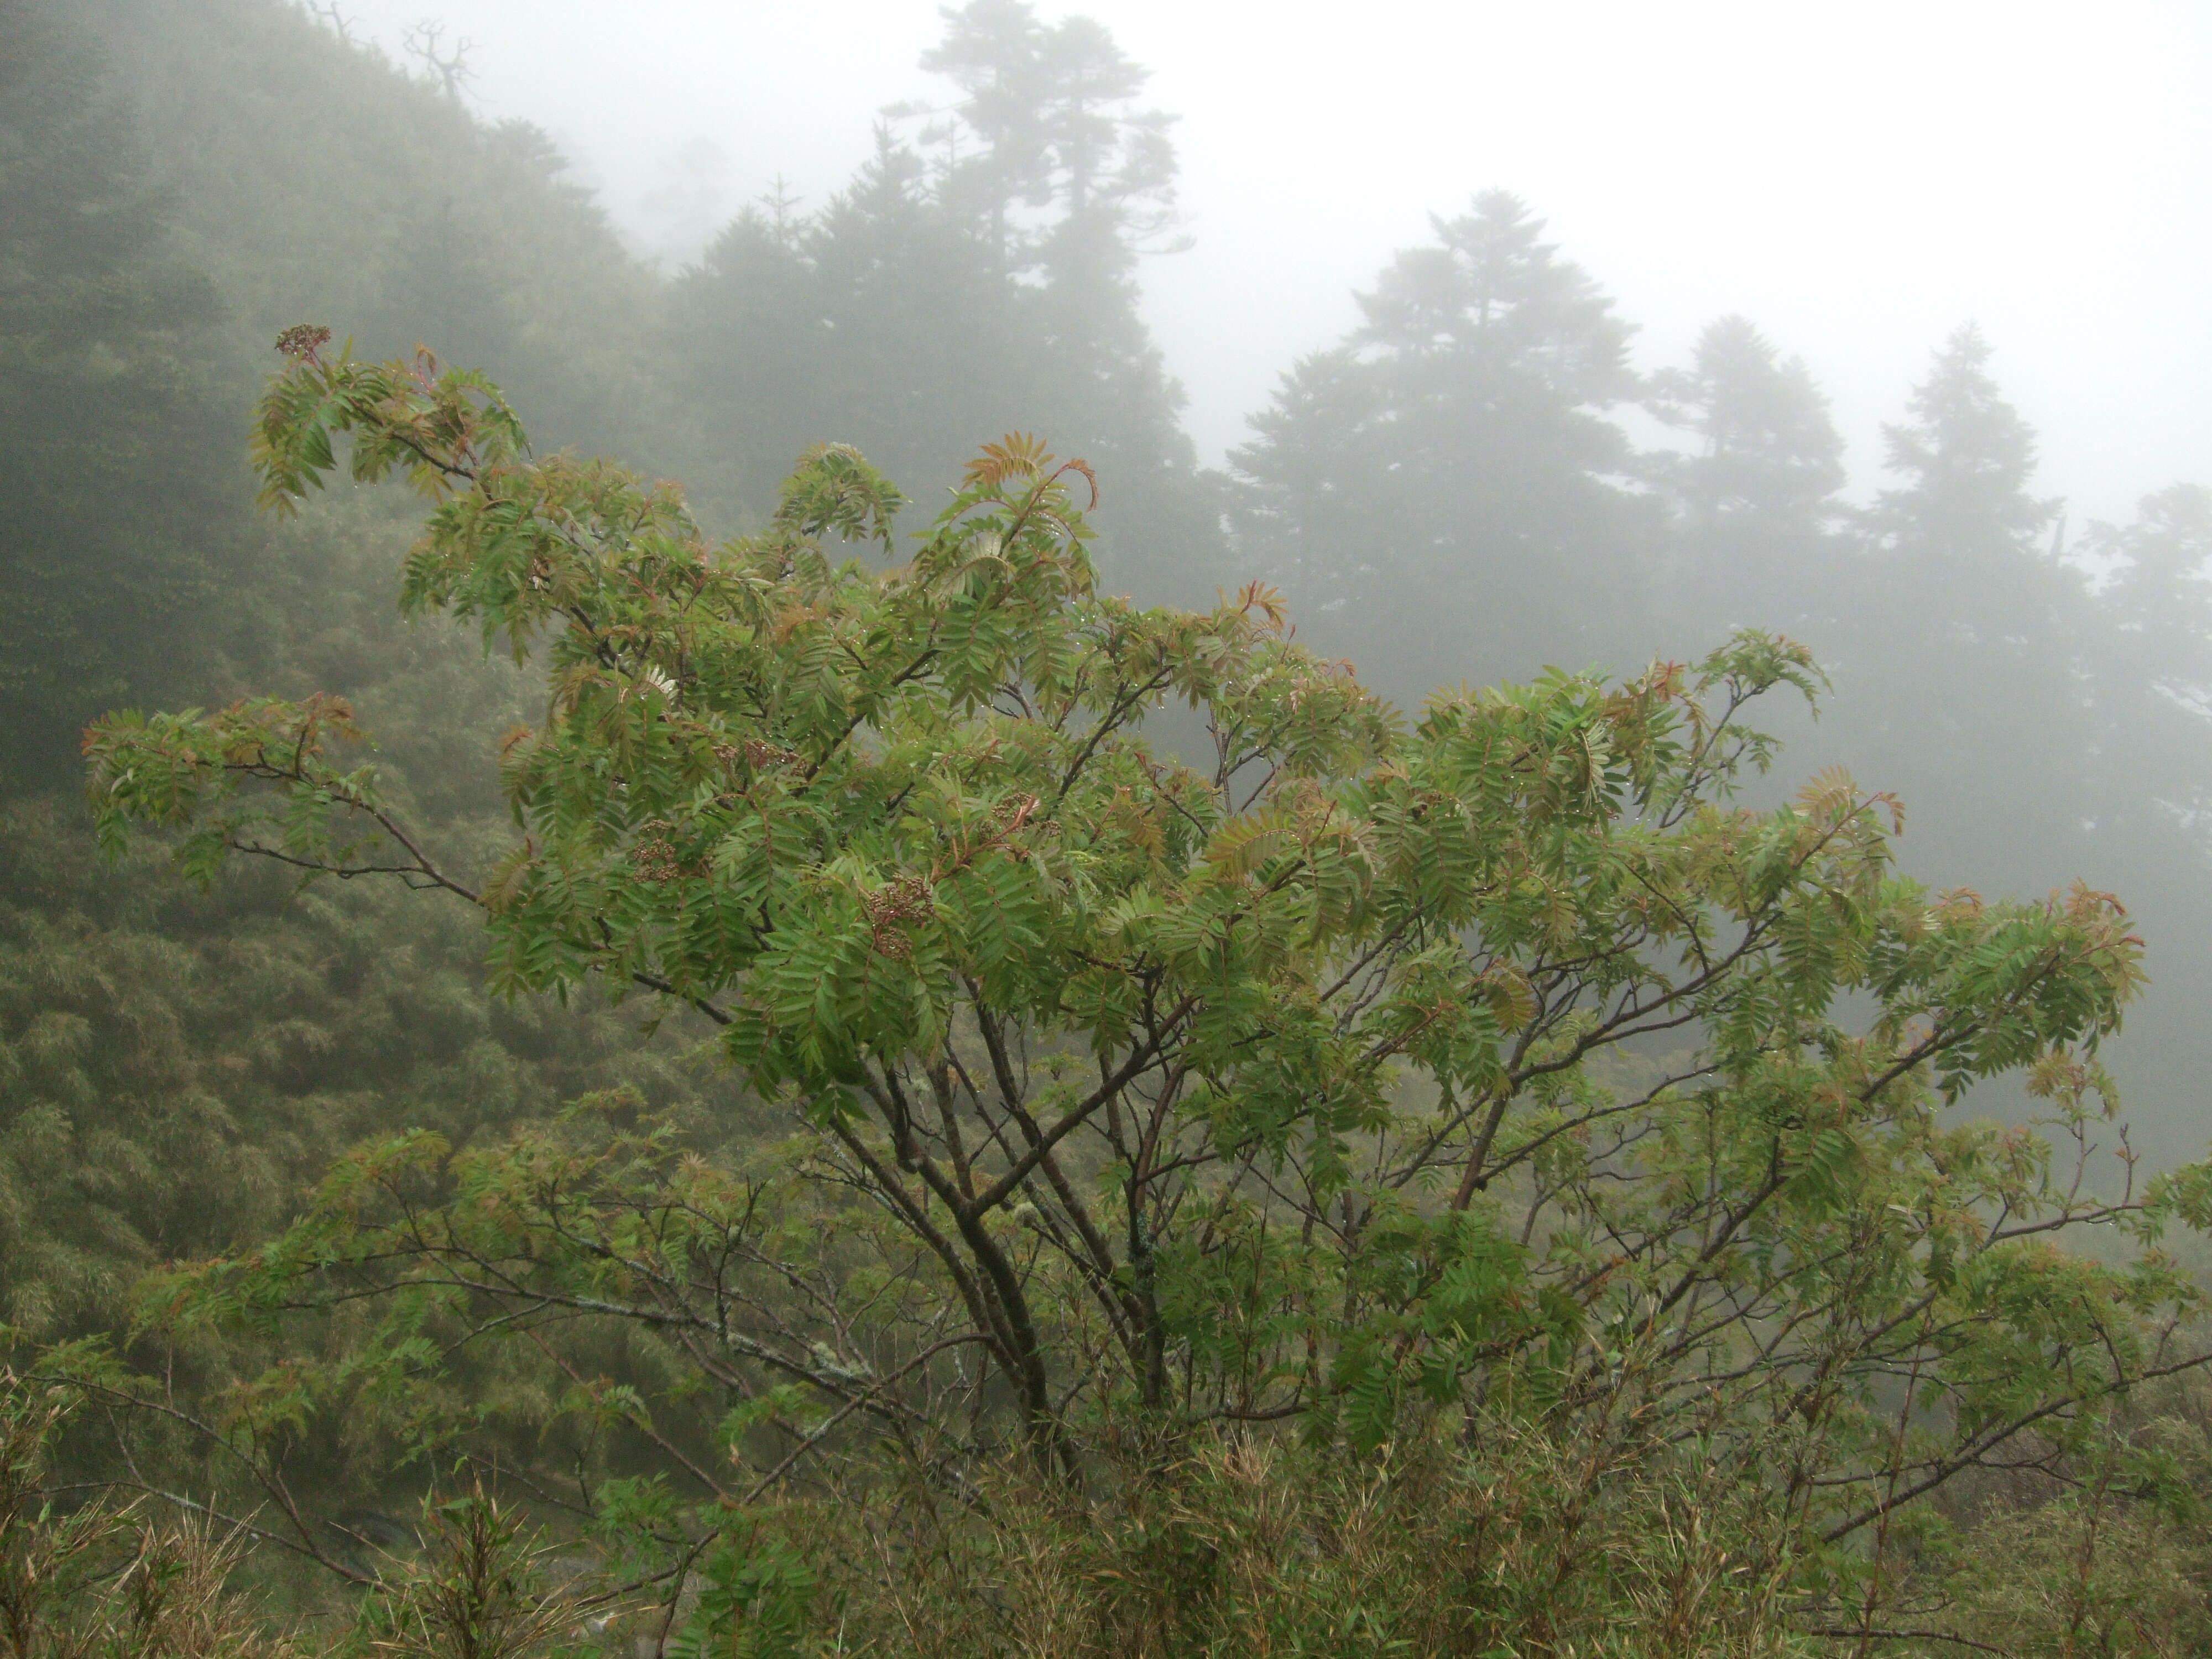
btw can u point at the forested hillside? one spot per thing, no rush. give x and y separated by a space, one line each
185 182
855 1141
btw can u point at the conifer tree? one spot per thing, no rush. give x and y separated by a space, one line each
1443 480
978 270
1754 498
2145 775
2160 599
2148 674
1960 660
1966 459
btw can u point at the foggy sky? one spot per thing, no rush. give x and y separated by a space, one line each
1857 178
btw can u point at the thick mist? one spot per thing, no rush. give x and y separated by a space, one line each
1850 193
760 1018
1857 182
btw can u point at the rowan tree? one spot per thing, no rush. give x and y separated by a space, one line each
1489 1080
